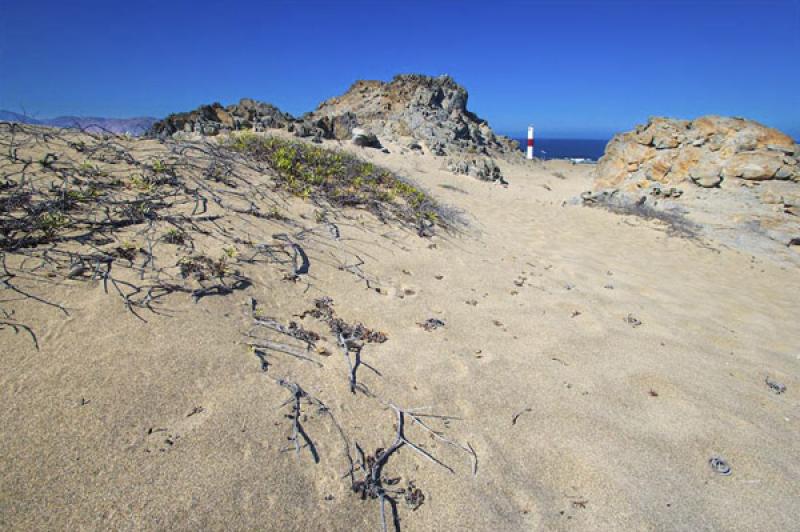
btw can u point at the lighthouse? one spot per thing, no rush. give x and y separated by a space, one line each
530 142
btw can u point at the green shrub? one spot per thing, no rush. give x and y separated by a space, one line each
50 223
335 178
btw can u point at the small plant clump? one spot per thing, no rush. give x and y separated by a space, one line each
127 250
158 166
202 267
174 236
675 222
330 177
50 223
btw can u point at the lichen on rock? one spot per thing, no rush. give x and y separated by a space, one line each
705 151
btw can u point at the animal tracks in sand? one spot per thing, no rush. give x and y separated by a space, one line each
401 292
165 438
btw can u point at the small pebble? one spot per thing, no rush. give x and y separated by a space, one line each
719 465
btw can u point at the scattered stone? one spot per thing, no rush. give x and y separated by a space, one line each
670 192
719 465
483 168
776 387
76 270
365 140
431 324
601 196
632 321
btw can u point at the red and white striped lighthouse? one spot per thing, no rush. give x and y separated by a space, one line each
530 142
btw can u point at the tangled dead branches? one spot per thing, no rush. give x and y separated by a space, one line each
147 219
376 485
351 338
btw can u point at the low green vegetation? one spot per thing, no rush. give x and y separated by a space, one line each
158 166
50 223
339 179
174 236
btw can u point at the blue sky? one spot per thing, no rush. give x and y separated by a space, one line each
573 68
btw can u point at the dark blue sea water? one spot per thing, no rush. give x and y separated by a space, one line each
566 148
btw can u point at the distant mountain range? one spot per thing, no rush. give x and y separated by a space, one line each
133 126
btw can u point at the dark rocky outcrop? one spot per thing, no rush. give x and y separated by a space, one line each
483 168
213 119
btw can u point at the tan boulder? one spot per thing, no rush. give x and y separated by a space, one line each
759 166
706 175
658 171
610 172
686 159
773 138
667 133
771 197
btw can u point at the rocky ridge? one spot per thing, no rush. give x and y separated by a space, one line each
209 120
416 112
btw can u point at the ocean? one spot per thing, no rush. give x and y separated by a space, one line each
565 148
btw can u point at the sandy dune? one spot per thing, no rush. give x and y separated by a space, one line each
581 418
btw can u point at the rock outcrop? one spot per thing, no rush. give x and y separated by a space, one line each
705 152
419 113
484 168
212 119
736 180
411 109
